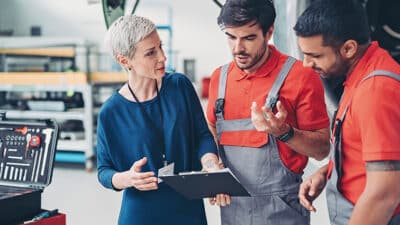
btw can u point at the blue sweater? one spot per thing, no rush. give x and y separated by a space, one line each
126 133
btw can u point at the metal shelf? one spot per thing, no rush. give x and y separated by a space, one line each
77 82
70 115
76 145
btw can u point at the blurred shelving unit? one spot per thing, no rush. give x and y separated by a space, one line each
47 57
26 73
55 82
53 78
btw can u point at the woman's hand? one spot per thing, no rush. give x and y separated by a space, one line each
143 181
220 200
211 163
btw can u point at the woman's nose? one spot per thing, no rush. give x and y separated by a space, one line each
162 56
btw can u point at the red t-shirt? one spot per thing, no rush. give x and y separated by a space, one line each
301 94
371 127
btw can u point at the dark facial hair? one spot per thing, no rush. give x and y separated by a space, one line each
339 69
257 58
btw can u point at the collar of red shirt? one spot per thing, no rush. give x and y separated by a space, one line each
263 71
356 74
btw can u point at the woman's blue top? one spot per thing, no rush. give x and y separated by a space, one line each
174 123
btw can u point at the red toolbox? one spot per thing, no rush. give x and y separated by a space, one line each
27 151
56 219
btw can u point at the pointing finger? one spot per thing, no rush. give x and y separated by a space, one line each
253 107
282 112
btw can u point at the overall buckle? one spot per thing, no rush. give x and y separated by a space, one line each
219 106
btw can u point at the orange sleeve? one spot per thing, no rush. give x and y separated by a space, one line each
377 113
212 96
331 166
311 109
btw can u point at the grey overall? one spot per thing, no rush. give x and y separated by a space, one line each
273 187
340 208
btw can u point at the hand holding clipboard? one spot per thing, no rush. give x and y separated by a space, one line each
200 184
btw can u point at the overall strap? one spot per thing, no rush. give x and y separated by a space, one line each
219 103
273 94
338 123
382 73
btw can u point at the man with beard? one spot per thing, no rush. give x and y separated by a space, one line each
364 173
267 117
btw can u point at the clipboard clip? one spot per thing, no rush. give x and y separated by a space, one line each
192 172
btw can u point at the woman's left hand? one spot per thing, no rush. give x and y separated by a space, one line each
143 181
211 163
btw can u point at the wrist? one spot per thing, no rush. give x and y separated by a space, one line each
323 170
211 167
116 182
209 161
285 137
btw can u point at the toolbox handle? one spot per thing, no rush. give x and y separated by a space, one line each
2 115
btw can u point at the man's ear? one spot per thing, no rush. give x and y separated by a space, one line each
349 49
123 61
269 33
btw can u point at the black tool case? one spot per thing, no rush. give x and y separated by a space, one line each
27 151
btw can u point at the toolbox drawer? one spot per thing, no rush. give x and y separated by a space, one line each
18 203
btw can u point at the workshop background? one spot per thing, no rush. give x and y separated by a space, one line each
53 65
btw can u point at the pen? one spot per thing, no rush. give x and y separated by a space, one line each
42 215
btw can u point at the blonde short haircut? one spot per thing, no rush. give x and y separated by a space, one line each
125 32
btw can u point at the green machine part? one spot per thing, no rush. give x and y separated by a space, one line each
113 9
219 4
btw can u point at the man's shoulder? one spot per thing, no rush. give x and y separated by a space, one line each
297 68
383 81
378 59
382 69
217 71
215 75
303 75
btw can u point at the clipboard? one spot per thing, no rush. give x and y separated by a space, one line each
197 185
